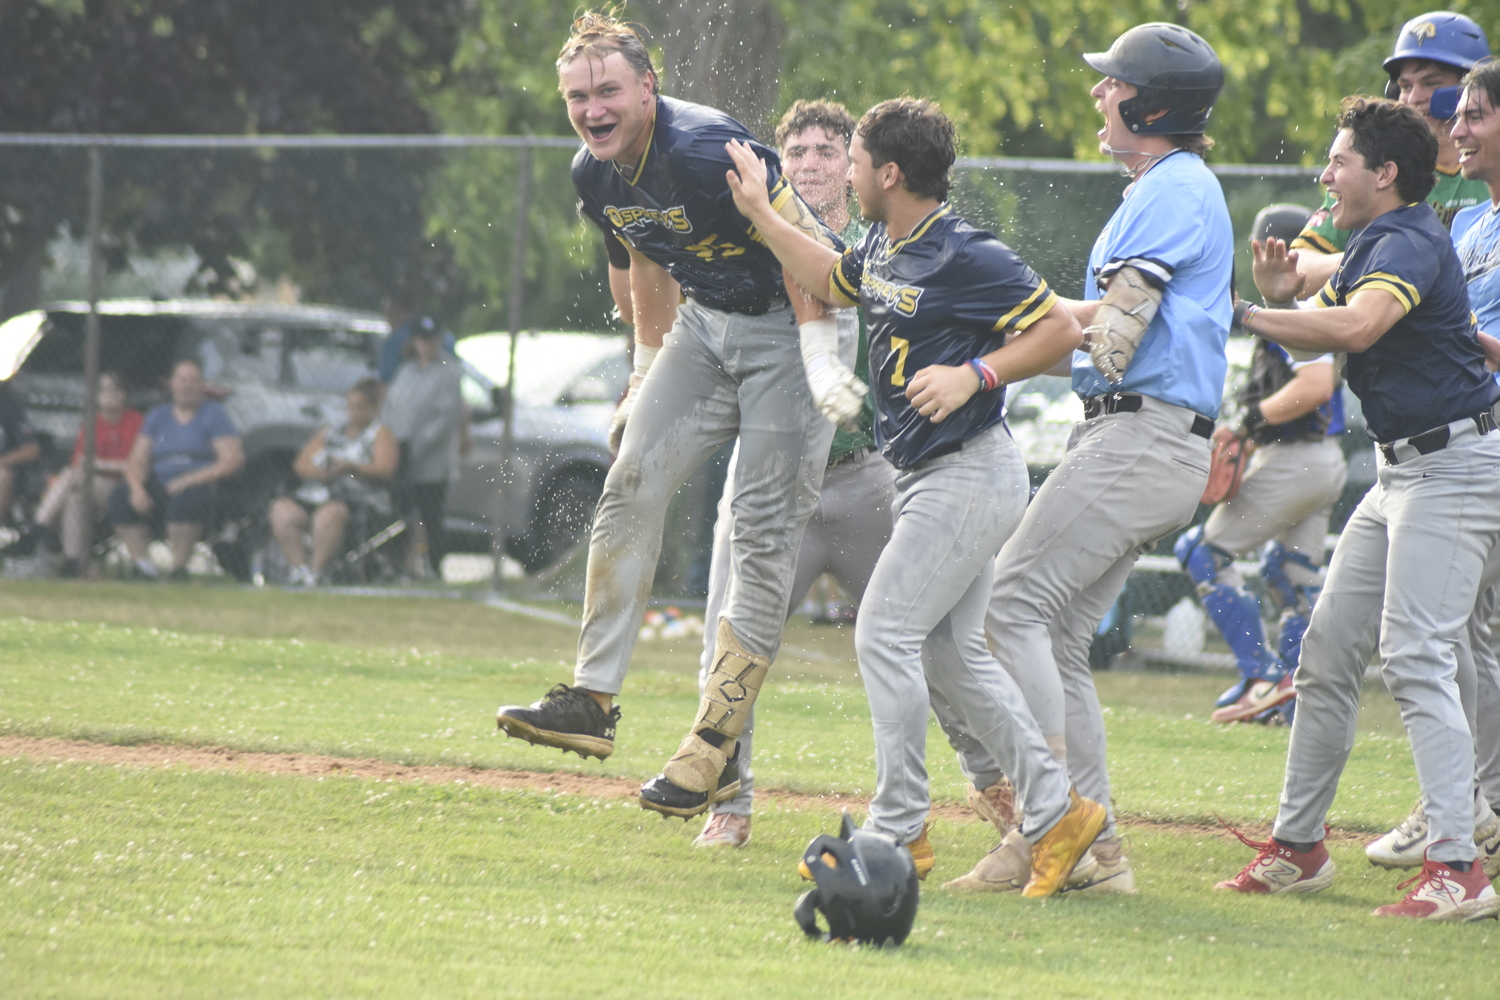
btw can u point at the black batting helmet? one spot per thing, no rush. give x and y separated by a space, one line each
1172 69
1283 222
866 887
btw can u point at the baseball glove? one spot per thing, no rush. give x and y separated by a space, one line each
1231 453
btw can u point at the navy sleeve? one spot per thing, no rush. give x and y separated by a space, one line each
999 290
1392 262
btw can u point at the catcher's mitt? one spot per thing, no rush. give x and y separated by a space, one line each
1231 453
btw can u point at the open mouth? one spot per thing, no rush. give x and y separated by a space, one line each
1464 152
601 132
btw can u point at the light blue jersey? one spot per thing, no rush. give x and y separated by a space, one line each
1173 227
1476 236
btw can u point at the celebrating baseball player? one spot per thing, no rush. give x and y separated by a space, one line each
730 359
1476 237
852 521
1433 51
1291 414
852 524
1151 377
1407 568
940 298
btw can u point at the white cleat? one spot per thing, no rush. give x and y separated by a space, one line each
1403 847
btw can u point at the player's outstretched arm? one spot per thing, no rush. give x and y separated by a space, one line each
1276 275
1316 268
938 390
1351 328
809 262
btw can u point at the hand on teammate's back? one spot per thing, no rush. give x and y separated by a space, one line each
747 182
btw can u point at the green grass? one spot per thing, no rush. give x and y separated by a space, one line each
120 882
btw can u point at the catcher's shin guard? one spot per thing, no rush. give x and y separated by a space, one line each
689 783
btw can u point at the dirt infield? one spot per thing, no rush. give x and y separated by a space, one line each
562 782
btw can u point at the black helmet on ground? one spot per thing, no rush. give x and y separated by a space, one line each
1172 69
866 887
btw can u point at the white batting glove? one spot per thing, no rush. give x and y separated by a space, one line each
838 393
644 356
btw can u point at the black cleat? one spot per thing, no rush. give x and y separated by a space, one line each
662 795
566 717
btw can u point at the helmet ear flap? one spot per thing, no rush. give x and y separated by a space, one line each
1392 90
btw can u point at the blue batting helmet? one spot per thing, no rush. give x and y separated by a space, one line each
1440 36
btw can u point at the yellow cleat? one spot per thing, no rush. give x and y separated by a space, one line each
1053 857
921 853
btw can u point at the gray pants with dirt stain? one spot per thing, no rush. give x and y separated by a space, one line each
718 375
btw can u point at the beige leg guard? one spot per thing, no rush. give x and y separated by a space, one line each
727 699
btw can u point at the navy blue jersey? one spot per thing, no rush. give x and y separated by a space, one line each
1428 369
676 209
945 294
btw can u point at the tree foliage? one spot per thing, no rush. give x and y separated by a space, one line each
345 227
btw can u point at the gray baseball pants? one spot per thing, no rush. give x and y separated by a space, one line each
1128 480
1288 494
718 374
952 513
844 537
1406 572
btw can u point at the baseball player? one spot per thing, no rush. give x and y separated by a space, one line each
852 523
1407 567
1293 413
1432 53
940 298
1476 237
1151 377
736 357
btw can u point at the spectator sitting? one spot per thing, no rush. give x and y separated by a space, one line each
425 411
342 470
18 446
184 449
115 430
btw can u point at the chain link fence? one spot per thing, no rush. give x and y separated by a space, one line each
269 260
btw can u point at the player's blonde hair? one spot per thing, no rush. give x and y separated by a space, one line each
597 33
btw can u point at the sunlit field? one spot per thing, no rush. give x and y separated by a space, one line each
141 879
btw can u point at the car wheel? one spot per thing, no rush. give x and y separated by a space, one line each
564 516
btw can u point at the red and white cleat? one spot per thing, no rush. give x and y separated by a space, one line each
1259 698
1281 869
1444 893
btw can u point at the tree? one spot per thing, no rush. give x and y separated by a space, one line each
342 226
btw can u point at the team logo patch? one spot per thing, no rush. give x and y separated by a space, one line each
674 219
902 298
1423 30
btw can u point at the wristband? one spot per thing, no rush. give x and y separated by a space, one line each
987 378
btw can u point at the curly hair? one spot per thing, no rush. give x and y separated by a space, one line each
1384 132
915 135
597 33
830 116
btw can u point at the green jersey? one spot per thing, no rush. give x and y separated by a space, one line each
844 441
1450 194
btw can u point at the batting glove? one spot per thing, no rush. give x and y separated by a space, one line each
838 393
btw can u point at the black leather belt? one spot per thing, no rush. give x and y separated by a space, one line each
1130 402
850 456
1437 439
